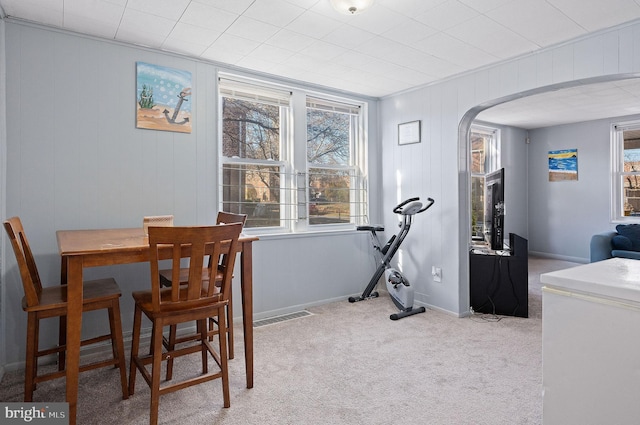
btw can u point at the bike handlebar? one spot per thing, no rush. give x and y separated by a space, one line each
398 209
429 204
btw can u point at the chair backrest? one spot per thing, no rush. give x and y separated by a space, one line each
156 220
28 270
195 243
227 218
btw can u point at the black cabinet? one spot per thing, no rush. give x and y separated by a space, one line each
499 280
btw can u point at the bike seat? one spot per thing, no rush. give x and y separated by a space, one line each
371 228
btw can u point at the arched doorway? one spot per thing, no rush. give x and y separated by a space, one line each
464 176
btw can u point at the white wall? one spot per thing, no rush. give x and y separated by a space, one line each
564 215
75 160
438 167
515 152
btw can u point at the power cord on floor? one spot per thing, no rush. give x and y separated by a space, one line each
483 317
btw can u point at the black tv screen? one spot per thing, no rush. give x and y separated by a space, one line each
494 209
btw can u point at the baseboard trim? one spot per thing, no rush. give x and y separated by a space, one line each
559 257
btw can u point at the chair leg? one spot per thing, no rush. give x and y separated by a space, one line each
229 330
62 341
135 346
171 343
230 325
153 331
30 370
202 330
117 344
156 342
224 366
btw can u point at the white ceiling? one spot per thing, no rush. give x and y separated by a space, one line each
569 105
393 46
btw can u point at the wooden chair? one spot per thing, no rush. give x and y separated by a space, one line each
196 300
166 280
46 302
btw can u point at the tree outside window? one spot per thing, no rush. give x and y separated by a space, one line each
328 156
485 158
631 169
264 174
251 131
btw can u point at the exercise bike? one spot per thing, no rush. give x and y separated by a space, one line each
398 286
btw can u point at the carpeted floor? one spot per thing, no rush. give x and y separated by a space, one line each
349 364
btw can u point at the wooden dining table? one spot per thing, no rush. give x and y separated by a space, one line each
80 249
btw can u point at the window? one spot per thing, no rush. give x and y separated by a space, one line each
254 137
485 158
287 183
332 129
625 164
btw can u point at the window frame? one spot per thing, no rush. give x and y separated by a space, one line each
493 162
357 198
294 204
617 173
249 90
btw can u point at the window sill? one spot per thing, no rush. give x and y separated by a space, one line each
266 235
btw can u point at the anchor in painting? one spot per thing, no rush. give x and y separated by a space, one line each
182 96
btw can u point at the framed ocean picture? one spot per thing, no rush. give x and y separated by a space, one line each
563 165
163 98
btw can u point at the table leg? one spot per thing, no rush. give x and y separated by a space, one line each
246 281
64 269
62 320
74 325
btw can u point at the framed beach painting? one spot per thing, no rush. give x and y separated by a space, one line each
563 165
163 98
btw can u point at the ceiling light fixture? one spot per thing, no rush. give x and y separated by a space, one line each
351 7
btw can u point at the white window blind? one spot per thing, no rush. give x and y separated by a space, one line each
254 93
329 105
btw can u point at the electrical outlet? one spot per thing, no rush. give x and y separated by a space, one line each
436 272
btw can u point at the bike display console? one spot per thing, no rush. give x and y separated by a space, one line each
499 280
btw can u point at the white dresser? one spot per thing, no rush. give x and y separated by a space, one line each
591 344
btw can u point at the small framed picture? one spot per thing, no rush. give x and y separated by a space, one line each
409 132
